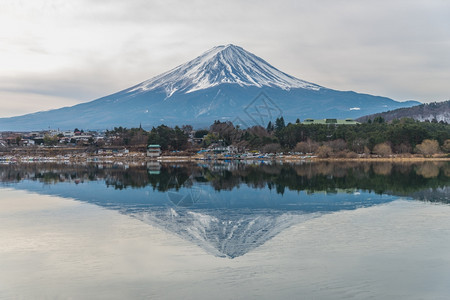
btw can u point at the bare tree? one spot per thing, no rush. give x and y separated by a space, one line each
187 129
428 147
383 149
359 145
446 146
337 145
324 151
403 148
306 147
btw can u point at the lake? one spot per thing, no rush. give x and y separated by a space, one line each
225 230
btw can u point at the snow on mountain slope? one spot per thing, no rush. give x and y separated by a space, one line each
222 64
220 233
438 111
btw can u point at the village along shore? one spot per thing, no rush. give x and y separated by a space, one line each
329 139
124 155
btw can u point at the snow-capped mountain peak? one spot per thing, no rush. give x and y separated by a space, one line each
224 83
222 64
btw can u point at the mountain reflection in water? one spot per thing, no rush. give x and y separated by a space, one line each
229 209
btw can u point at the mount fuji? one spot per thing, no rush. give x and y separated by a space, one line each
225 83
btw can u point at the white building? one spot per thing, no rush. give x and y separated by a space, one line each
153 150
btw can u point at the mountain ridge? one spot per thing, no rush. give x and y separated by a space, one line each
434 111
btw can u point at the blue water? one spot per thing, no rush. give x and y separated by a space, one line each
89 239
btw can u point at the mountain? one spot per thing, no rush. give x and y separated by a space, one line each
438 111
224 83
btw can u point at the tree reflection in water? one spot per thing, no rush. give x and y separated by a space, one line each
378 177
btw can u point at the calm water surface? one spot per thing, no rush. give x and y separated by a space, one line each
225 231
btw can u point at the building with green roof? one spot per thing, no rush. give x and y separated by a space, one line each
330 121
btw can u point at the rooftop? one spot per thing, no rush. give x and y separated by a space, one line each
330 121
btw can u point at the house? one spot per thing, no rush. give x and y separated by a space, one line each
12 140
27 142
68 133
153 150
84 137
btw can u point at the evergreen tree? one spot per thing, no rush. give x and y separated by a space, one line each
379 120
279 124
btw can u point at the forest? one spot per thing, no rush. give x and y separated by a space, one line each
404 136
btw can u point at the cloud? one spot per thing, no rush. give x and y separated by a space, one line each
13 104
81 50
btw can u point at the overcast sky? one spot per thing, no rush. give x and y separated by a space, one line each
56 53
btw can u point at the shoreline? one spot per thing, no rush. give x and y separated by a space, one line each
141 158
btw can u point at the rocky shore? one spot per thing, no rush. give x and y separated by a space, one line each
138 157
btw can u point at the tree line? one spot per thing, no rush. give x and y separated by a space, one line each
376 136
